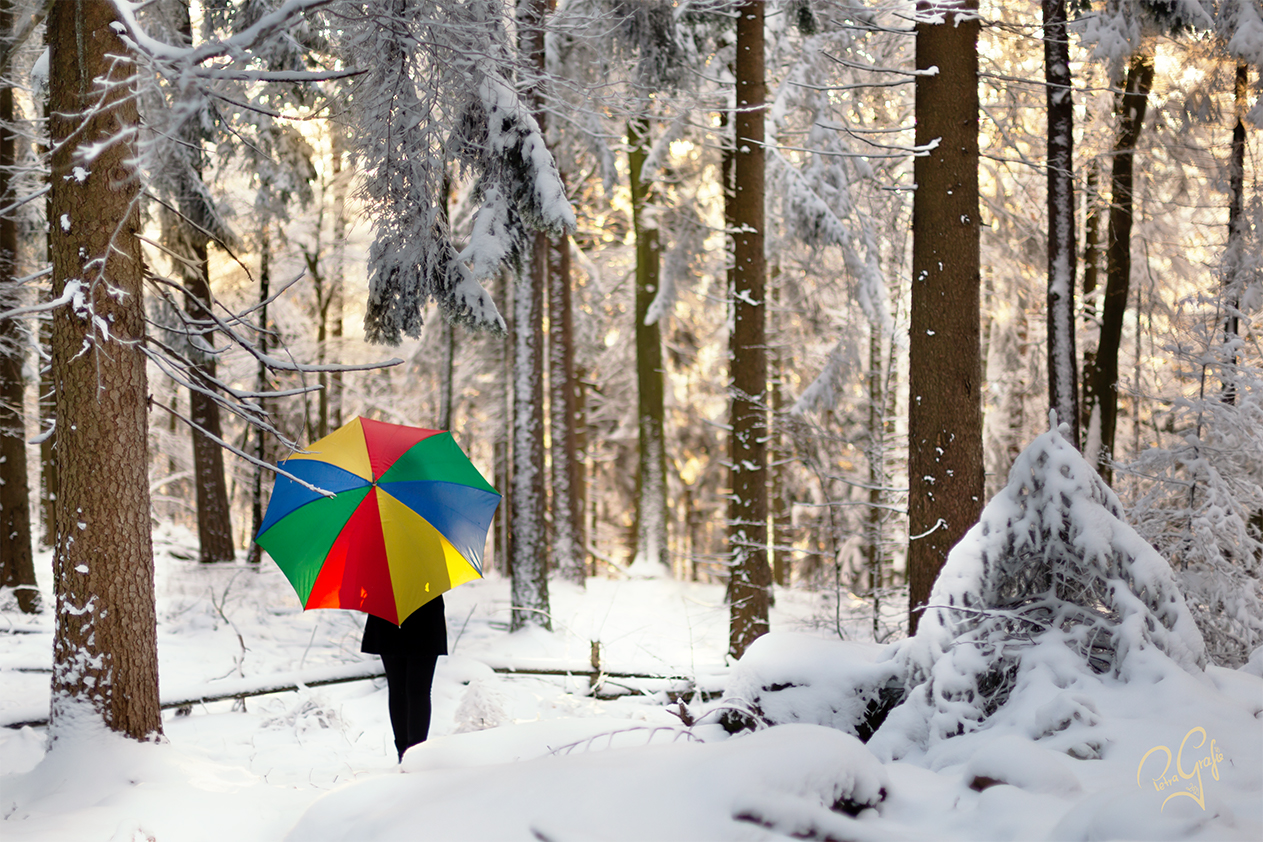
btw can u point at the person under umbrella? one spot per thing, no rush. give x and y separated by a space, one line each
409 655
383 518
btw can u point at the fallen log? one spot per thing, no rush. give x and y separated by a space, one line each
287 682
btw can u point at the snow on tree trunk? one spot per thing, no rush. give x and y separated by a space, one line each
529 567
1051 560
945 462
563 402
650 553
750 575
105 664
1063 381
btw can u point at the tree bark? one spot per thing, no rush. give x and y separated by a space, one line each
105 664
1063 380
528 567
1102 410
564 401
17 564
945 461
750 575
651 474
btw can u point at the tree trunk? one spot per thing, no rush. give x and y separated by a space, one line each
47 398
502 449
214 518
1236 235
782 512
257 508
447 361
1063 379
1091 281
342 177
874 528
563 399
750 575
945 462
651 474
528 567
17 564
1102 395
105 656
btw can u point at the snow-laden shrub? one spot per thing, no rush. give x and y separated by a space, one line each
1050 563
1203 509
784 678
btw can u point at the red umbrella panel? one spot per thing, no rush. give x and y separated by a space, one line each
404 520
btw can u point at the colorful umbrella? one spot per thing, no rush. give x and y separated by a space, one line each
407 521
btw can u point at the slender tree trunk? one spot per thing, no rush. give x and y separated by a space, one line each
528 568
17 565
214 518
1063 379
780 455
105 656
874 528
1103 382
1236 235
581 468
563 399
47 398
255 554
945 461
502 449
341 180
651 474
48 433
1091 282
447 362
751 577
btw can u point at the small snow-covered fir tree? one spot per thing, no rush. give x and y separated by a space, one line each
1050 561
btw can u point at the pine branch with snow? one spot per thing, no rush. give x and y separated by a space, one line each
1051 562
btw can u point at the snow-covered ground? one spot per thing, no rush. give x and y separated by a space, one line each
536 757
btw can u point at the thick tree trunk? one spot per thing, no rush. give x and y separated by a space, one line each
563 400
651 474
750 575
105 664
945 462
529 564
1102 397
17 565
1063 378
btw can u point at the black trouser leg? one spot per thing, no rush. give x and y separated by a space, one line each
408 681
396 667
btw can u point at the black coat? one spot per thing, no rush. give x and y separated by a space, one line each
423 633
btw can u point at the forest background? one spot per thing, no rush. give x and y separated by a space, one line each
271 220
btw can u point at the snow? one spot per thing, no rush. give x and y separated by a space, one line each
534 756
